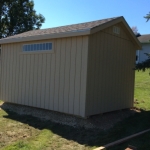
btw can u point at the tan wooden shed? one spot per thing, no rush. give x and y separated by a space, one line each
81 69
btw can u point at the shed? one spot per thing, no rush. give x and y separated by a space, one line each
81 69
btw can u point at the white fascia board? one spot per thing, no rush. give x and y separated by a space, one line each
46 36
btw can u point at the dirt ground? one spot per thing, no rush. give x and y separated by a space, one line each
101 121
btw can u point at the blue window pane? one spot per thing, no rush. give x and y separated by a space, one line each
32 47
35 47
28 49
47 47
41 46
50 46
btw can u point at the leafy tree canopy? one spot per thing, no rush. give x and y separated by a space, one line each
135 31
144 65
147 16
17 16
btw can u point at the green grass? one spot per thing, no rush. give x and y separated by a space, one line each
38 142
29 133
142 90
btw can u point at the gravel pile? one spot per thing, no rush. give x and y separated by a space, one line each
102 121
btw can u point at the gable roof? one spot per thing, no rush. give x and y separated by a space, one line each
62 29
144 38
69 30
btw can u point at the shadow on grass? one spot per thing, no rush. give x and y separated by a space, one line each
89 137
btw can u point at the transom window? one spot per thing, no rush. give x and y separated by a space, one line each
37 47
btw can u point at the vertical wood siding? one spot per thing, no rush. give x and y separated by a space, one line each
55 81
110 75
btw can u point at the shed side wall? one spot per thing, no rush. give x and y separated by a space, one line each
54 81
110 76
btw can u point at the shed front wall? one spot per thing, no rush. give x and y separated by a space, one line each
54 81
110 75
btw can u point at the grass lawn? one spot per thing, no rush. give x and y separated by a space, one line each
142 90
29 133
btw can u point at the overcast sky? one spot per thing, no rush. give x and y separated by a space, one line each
66 12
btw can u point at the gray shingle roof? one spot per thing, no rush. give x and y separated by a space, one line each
144 38
63 29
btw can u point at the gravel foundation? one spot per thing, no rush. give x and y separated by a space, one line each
101 121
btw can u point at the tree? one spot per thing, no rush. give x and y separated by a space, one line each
3 12
18 16
145 64
147 16
135 31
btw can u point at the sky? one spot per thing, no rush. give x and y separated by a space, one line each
67 12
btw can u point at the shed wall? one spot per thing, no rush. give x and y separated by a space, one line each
110 77
54 81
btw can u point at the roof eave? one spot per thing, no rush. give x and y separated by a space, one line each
46 36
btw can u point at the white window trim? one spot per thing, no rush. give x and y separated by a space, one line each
38 51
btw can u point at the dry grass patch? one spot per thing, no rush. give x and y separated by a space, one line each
12 131
22 132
